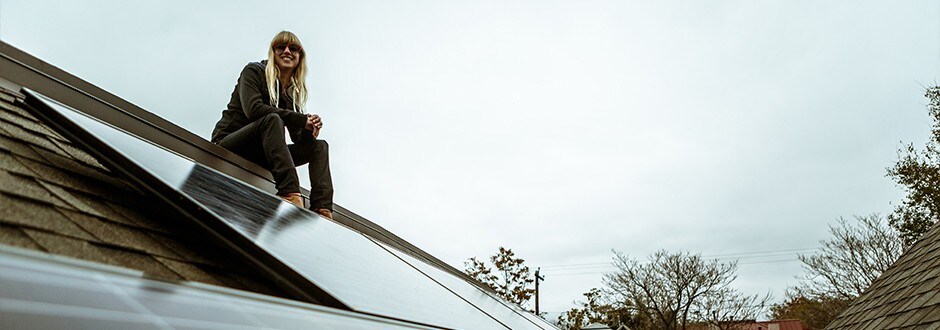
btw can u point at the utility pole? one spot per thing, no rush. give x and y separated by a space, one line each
537 278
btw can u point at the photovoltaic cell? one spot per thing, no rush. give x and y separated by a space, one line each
516 317
346 265
42 292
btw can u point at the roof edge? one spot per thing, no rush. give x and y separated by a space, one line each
28 71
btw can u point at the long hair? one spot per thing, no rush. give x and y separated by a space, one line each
298 87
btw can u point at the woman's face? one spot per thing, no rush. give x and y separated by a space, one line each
287 56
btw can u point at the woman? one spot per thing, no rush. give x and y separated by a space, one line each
270 95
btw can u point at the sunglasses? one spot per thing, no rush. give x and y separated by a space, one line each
279 48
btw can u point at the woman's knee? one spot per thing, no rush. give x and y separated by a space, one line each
320 147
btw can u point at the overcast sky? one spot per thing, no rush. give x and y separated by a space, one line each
559 129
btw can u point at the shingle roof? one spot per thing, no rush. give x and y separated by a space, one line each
24 70
59 199
906 296
56 198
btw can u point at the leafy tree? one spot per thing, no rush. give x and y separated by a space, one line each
918 173
509 277
851 259
672 289
598 309
815 311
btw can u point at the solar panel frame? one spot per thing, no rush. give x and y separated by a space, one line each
281 273
355 261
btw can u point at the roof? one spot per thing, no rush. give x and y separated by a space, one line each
596 326
53 82
791 324
89 181
784 325
906 296
58 199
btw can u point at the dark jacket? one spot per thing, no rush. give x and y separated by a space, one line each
250 102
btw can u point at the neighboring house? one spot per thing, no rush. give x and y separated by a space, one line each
779 325
906 296
601 326
112 217
596 326
759 325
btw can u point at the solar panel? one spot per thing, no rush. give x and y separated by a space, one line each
345 263
343 266
515 316
38 291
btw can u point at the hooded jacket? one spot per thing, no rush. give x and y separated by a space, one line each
250 101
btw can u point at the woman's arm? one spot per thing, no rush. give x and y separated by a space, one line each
250 87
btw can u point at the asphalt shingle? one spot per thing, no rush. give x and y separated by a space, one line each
57 198
12 235
907 295
28 214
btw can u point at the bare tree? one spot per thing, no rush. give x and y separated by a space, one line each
854 257
667 288
728 309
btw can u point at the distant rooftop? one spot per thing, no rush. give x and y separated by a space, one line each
906 296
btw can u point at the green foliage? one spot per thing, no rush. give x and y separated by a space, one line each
918 173
509 277
815 311
597 309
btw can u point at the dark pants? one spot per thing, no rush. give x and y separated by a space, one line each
262 142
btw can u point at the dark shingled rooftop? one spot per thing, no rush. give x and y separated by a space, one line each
906 296
68 214
58 199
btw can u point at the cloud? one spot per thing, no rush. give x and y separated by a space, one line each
558 129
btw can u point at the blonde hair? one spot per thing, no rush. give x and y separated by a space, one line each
298 88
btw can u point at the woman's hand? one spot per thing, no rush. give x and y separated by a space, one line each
314 124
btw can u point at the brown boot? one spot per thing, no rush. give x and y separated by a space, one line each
326 213
293 198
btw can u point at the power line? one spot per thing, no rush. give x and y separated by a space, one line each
761 252
609 269
598 265
569 265
719 257
769 261
569 274
760 256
